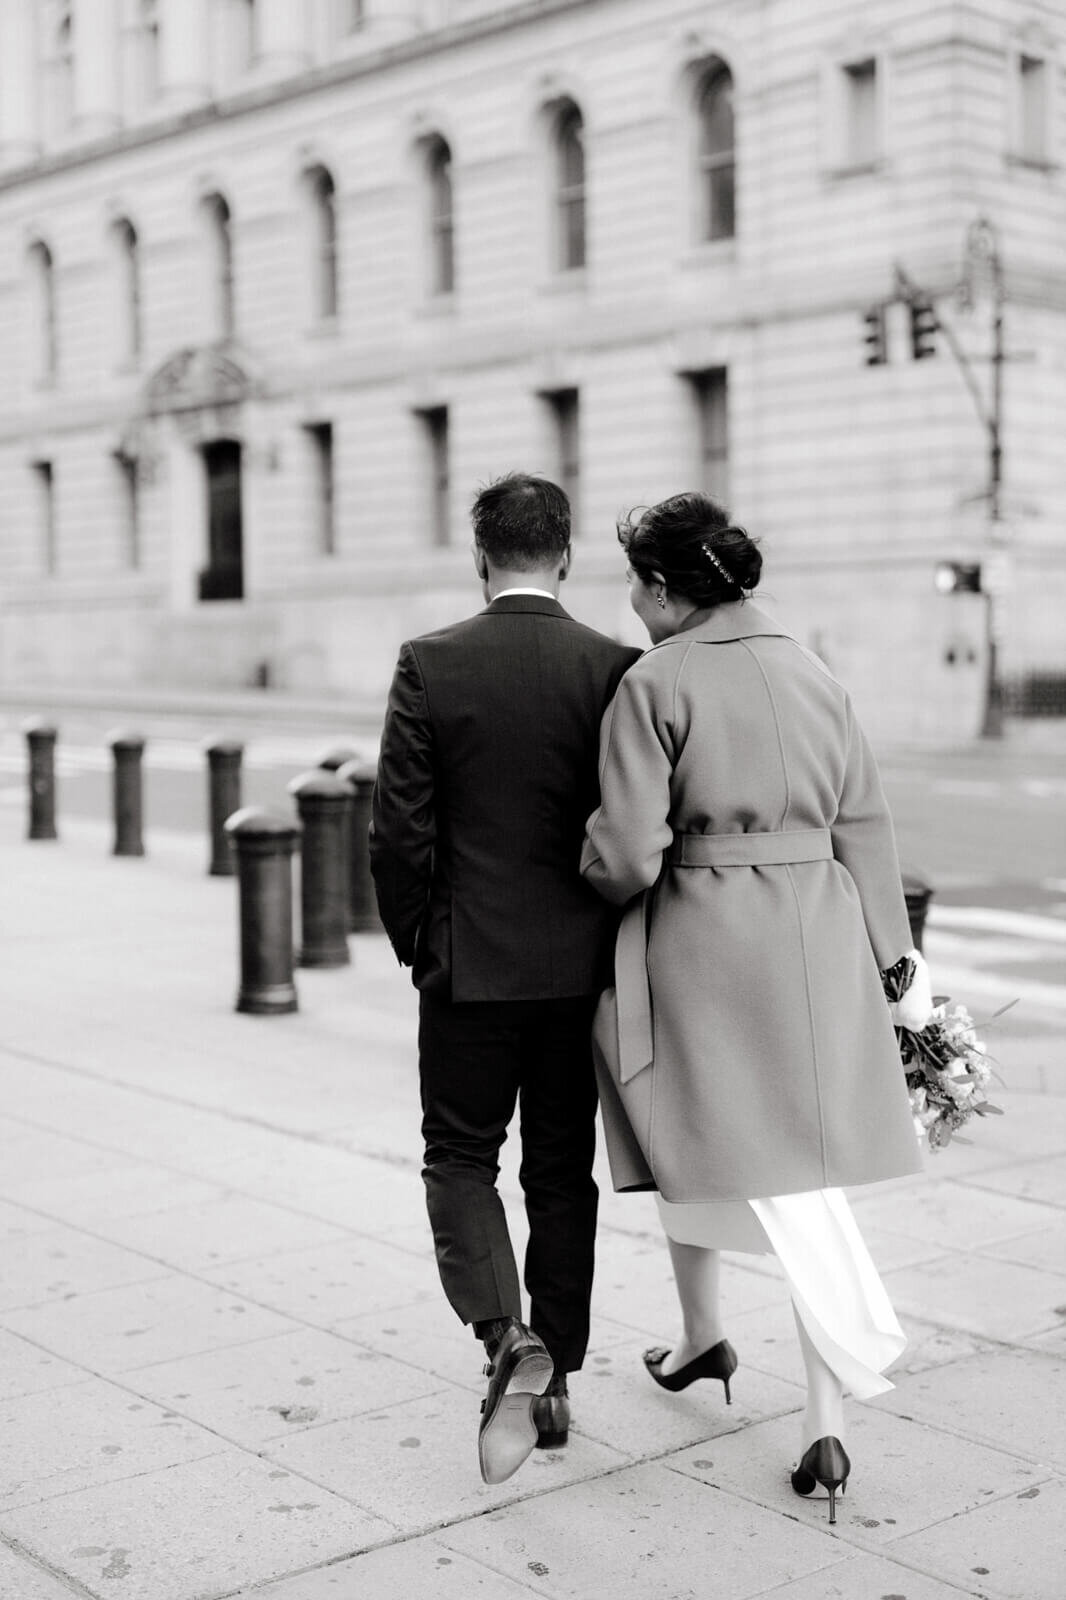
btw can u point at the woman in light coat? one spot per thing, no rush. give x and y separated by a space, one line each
747 1057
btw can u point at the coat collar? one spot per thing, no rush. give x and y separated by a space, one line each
738 619
525 602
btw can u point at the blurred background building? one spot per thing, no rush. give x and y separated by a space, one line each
283 282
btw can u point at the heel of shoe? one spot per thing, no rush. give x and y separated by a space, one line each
725 1385
825 1462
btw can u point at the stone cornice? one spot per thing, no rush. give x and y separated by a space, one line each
284 90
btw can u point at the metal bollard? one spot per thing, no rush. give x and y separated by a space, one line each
127 749
362 901
223 799
917 894
333 758
323 801
263 845
41 739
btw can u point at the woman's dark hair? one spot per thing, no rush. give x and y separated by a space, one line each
522 522
690 541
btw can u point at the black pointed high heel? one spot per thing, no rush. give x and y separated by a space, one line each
720 1361
825 1462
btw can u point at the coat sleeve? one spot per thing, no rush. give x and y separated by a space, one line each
864 843
625 838
403 826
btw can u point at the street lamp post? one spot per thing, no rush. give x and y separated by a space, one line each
982 251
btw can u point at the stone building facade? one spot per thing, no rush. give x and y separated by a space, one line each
281 283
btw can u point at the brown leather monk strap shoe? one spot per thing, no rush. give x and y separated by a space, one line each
520 1369
551 1414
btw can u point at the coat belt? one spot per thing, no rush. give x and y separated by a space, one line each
792 846
633 993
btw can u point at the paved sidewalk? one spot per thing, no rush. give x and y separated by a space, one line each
226 1367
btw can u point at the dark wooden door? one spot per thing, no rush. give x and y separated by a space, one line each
223 578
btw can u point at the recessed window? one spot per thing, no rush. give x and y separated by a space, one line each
128 292
861 115
436 472
247 24
43 329
128 487
219 243
320 437
717 156
324 243
569 155
59 72
710 394
44 494
148 52
563 410
1032 98
441 217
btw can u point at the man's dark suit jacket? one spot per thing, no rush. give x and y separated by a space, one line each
487 774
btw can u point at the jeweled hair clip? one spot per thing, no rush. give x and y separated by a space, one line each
713 559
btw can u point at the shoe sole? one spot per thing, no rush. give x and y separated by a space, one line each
510 1434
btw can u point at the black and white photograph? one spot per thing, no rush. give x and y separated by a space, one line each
532 800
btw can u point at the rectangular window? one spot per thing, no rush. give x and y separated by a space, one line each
710 394
1032 109
320 435
434 427
129 495
44 490
563 409
861 113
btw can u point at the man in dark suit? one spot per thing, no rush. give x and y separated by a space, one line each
486 777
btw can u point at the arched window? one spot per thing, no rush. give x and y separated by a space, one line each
148 52
569 189
220 262
127 292
441 218
59 68
43 313
247 28
324 243
717 155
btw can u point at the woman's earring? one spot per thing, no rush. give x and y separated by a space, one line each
662 601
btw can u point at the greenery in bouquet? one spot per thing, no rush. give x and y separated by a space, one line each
945 1063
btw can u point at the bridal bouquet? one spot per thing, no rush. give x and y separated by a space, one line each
946 1066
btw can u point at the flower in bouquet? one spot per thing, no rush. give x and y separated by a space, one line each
945 1063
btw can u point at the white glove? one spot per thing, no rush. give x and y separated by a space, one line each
916 1006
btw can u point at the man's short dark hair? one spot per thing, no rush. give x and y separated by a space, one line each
522 523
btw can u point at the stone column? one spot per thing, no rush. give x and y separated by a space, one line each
184 53
19 84
282 42
96 62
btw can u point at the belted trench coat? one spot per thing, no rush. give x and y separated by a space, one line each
747 1048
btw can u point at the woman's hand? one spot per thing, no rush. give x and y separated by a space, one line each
915 1007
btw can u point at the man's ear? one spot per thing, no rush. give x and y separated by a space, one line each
564 565
481 564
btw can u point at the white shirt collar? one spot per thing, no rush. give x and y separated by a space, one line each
545 594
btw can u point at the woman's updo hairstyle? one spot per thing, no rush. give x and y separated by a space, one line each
690 541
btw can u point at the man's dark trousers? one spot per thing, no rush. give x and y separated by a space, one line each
477 1059
486 776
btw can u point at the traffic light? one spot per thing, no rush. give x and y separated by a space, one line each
924 327
959 577
874 336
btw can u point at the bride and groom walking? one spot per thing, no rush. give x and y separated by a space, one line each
668 882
